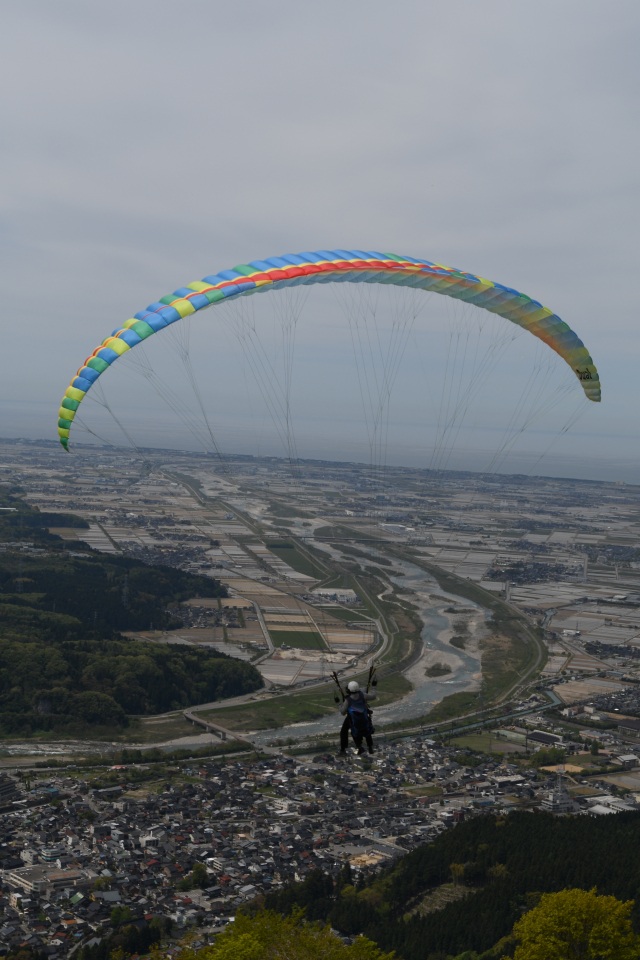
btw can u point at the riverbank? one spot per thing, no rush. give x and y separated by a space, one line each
452 632
444 652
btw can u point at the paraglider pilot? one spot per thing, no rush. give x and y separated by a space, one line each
357 718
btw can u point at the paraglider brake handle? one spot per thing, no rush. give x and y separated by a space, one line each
334 677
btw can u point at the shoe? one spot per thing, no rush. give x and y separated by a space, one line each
360 750
342 753
372 751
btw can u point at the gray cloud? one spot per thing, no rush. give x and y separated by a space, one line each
147 144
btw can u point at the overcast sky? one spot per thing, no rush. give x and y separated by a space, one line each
148 143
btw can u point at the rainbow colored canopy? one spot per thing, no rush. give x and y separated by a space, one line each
330 266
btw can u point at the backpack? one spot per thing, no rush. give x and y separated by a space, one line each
360 717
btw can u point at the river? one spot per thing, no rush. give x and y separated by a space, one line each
436 609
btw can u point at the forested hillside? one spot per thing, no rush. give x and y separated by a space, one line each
64 665
502 862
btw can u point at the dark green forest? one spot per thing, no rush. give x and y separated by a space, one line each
503 862
64 664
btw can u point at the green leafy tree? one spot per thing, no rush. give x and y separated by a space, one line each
268 936
197 878
101 883
94 707
549 756
577 925
120 915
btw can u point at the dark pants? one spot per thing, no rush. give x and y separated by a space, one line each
344 733
357 738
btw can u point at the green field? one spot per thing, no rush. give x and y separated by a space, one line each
457 705
154 730
302 639
487 742
277 712
279 509
348 615
289 553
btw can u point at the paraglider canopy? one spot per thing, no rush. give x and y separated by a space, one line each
351 266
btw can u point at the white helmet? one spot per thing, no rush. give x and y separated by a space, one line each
353 686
